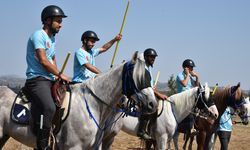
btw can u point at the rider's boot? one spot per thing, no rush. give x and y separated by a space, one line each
43 139
142 130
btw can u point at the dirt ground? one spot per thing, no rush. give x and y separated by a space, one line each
239 140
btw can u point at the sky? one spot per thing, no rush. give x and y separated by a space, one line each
215 34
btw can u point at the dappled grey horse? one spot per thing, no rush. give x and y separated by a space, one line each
92 103
174 110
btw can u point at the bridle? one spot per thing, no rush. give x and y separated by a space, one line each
130 90
202 112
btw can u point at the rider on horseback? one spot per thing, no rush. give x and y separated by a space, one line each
84 61
149 57
186 80
42 71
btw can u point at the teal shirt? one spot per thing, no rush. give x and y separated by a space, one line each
39 39
225 121
82 57
181 76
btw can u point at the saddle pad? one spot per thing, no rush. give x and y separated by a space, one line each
21 109
20 112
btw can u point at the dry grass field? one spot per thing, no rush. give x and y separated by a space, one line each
240 140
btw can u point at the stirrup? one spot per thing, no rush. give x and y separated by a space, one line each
145 136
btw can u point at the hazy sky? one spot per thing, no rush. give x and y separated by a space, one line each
214 33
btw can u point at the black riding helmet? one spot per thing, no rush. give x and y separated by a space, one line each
188 63
52 11
150 52
90 34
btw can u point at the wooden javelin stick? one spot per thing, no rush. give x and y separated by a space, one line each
117 43
65 62
157 78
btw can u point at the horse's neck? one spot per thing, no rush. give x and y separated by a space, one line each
107 86
220 98
183 103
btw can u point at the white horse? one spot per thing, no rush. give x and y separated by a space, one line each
175 109
92 103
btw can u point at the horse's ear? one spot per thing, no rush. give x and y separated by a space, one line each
238 85
247 100
201 87
134 57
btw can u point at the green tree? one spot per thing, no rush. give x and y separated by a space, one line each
171 86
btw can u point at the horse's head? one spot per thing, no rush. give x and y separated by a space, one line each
244 111
202 98
205 103
136 85
238 103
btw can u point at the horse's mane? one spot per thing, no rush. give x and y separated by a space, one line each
182 100
220 95
177 99
106 79
224 92
139 74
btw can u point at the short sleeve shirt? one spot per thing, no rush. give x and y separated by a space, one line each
225 121
39 39
82 57
181 76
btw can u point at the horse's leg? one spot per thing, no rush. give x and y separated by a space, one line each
175 139
187 136
191 142
108 141
3 140
200 139
169 144
161 142
148 144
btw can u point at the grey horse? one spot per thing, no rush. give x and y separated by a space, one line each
174 110
92 104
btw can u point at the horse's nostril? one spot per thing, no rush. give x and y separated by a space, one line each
150 105
216 116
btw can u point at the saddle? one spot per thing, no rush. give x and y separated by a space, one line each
21 108
58 90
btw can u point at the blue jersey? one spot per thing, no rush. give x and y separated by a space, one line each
225 121
82 57
39 39
180 88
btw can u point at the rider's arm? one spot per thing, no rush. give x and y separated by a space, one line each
40 52
184 82
52 68
159 95
92 68
106 46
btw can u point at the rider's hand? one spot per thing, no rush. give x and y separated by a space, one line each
64 78
194 74
164 97
186 71
118 37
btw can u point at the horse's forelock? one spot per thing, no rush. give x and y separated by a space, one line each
207 92
134 57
